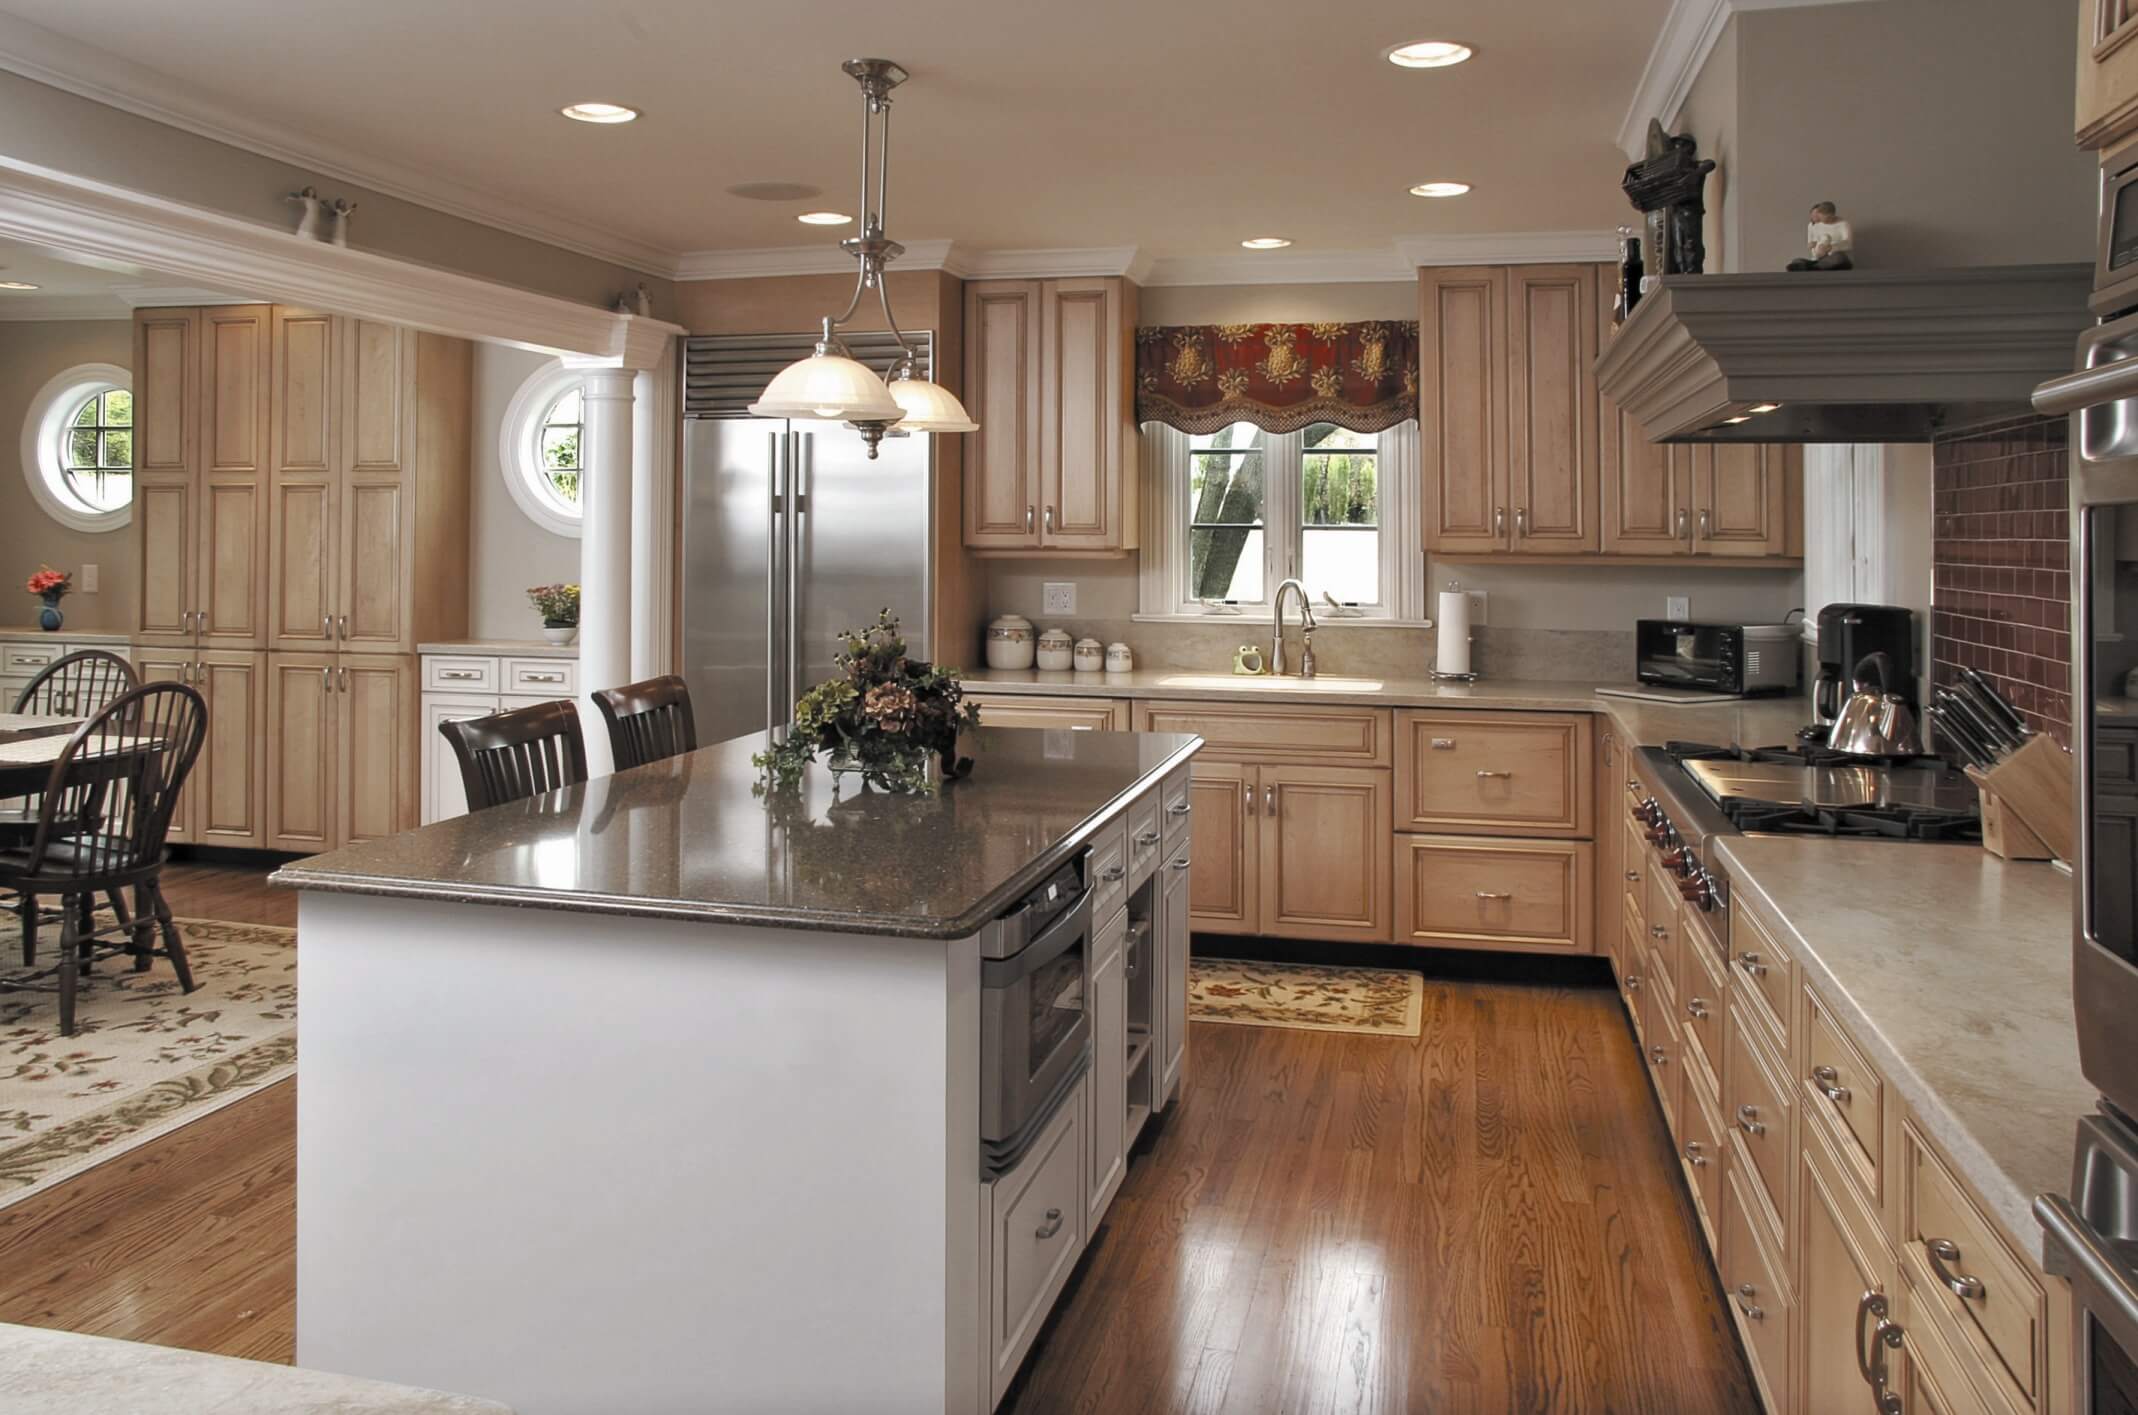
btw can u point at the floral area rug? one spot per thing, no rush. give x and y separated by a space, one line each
1385 1001
145 1058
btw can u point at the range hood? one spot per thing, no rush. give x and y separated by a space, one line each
1843 356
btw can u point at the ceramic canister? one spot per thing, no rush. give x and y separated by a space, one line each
1009 642
1090 657
1056 650
1119 659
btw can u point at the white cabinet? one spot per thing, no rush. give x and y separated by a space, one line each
1170 1038
457 686
1035 1233
1107 1130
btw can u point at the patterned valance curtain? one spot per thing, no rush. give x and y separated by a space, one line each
1280 377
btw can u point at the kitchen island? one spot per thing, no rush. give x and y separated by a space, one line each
656 1094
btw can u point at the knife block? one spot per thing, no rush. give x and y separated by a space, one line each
2028 809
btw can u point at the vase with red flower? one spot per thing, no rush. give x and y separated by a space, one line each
51 586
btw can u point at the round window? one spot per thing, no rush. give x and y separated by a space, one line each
541 448
78 447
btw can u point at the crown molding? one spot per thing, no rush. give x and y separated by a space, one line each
1292 267
86 71
1688 36
16 308
107 224
1066 262
1509 248
136 297
947 256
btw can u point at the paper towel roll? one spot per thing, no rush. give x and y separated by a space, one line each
1451 638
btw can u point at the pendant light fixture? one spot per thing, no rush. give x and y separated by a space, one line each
831 385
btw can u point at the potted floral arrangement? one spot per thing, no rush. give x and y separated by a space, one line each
559 608
51 586
890 719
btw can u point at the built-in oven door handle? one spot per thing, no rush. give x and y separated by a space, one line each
1058 938
2094 383
2092 1265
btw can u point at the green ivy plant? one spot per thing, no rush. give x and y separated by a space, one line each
885 717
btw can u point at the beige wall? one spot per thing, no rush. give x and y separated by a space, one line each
1278 304
1710 115
507 552
30 354
52 128
1941 128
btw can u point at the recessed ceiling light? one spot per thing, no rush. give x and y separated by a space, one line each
1740 418
1266 243
1429 54
774 191
1764 407
16 285
1440 189
824 218
598 112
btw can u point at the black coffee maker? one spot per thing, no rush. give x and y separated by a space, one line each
1849 633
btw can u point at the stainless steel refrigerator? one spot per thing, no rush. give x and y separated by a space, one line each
791 535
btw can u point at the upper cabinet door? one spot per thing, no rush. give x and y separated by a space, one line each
302 449
2108 73
1462 398
1551 408
1084 370
166 456
1741 498
1647 491
375 505
1002 390
236 369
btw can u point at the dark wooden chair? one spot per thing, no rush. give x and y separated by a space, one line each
103 815
81 683
648 721
509 756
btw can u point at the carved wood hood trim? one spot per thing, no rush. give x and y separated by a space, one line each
1852 356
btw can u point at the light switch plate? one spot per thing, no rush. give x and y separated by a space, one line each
89 578
1677 606
1059 597
1477 607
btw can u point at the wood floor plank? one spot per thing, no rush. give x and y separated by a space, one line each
1488 1217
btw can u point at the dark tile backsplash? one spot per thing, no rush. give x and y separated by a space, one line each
2001 597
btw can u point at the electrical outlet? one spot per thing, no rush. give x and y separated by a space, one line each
1059 597
1678 607
1477 607
89 578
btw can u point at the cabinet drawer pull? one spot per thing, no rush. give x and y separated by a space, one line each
1633 982
1521 520
1495 894
1633 876
1049 520
1052 1226
1181 863
326 626
1943 1251
1657 931
1028 513
1693 1156
1269 800
1443 744
1499 520
1179 808
1744 1295
1886 1336
1113 873
1659 1056
1748 1120
341 627
543 677
1147 838
1828 1081
1707 525
1753 964
459 675
1696 1008
1491 775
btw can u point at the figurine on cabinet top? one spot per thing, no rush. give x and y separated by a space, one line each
1827 240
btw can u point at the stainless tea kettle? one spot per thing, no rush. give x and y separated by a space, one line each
1875 721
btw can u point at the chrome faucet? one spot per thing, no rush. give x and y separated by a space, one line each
1306 632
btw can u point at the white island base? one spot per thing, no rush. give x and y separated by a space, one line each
579 1162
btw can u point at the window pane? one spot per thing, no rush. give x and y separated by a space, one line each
81 447
1345 563
87 416
119 408
565 409
118 449
1225 563
1340 478
560 448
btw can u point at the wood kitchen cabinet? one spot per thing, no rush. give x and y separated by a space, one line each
1049 376
2108 73
1222 897
343 761
224 800
1291 851
1106 1129
1071 713
1493 893
1523 456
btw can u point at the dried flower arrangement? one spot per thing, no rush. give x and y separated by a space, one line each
885 717
557 604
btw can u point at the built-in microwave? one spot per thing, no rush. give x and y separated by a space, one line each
2115 271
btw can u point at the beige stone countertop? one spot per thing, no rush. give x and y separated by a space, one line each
63 1373
1753 722
1951 968
503 648
65 635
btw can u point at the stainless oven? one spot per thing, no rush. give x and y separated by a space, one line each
1035 1013
2090 1239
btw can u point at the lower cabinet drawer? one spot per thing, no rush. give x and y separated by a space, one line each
1758 1107
1847 1095
1073 714
1991 1302
1701 1007
1175 808
449 673
1109 867
1659 1045
1475 892
1700 1152
1932 1379
1037 1232
546 677
1761 1303
1144 836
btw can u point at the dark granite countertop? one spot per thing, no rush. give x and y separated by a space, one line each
686 838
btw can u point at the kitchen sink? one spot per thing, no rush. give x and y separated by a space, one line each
1260 682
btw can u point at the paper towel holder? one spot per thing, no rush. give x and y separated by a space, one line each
1454 586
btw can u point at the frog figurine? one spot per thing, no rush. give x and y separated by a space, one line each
1247 660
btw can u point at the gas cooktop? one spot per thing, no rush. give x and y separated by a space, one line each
1807 790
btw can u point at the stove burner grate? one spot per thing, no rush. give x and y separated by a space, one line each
1805 754
1889 822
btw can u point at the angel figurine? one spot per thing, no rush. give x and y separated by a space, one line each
338 221
313 220
1827 240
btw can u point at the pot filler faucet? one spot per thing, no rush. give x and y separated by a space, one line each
1306 632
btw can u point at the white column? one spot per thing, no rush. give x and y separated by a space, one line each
605 552
653 495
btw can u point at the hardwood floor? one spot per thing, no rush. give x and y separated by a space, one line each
1487 1218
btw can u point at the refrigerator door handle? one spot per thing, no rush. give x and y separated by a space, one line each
798 502
775 715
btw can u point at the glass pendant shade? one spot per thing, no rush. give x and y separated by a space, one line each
827 388
930 407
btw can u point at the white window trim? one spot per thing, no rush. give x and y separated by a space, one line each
1165 548
519 450
47 418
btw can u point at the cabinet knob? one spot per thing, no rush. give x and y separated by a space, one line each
1744 1295
1633 982
1113 873
1181 863
1696 1008
1752 963
1147 838
1659 1056
1693 1156
1658 931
